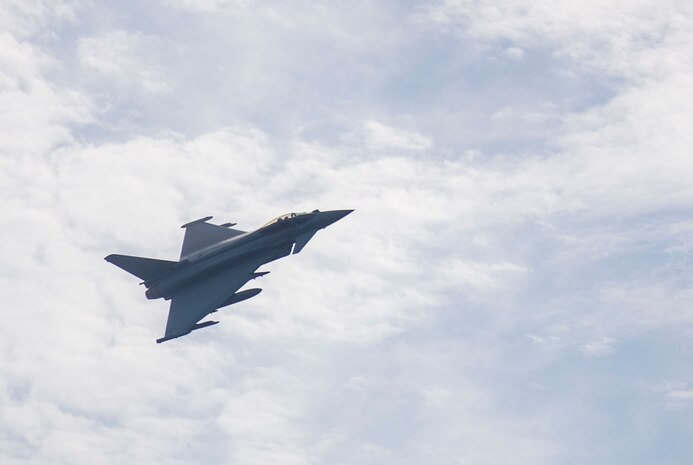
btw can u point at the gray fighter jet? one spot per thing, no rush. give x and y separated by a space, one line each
216 261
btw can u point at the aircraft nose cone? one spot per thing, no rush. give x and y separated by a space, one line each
329 217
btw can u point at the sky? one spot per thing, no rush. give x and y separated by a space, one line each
514 286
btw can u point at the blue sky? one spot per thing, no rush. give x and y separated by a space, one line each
514 286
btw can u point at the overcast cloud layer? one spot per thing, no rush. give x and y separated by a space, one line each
515 285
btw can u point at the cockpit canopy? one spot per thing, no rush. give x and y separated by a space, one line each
285 217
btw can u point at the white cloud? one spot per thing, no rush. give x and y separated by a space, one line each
414 331
382 136
616 36
124 57
598 347
35 114
515 53
208 5
482 277
24 18
113 195
681 395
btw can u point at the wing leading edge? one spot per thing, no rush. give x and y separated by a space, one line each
200 234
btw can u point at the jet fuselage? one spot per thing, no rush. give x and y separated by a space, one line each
270 242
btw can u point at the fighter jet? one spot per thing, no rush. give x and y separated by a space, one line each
216 261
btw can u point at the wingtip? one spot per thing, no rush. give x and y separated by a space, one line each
201 220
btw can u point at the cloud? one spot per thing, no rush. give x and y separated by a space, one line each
515 53
125 57
603 36
599 347
23 19
516 226
681 395
110 195
380 135
36 114
207 5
